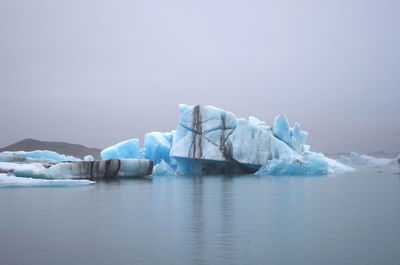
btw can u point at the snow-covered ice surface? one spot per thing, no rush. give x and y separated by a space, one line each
39 156
126 149
9 180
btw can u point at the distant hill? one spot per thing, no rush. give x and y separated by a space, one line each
76 150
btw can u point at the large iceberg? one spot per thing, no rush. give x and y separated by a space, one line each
39 156
211 140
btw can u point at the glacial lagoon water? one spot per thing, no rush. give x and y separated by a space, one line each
349 219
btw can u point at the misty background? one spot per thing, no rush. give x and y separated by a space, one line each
99 72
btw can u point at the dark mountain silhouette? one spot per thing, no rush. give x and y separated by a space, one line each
76 150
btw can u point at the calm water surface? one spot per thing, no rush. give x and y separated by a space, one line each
345 219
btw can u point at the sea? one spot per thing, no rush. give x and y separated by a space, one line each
343 219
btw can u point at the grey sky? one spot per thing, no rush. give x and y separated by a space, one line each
98 72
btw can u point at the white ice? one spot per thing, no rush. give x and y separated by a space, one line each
355 159
88 158
9 180
33 170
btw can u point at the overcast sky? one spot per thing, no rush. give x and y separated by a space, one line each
98 72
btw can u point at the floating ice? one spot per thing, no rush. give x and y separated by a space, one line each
8 180
212 135
163 169
337 167
157 146
88 158
102 169
211 140
313 164
362 159
126 149
39 156
32 170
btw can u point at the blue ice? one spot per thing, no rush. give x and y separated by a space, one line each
126 149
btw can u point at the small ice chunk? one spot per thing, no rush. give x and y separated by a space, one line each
126 149
88 158
163 169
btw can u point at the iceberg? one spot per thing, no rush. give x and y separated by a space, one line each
39 156
9 180
356 159
211 140
88 158
102 169
33 170
92 170
126 149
